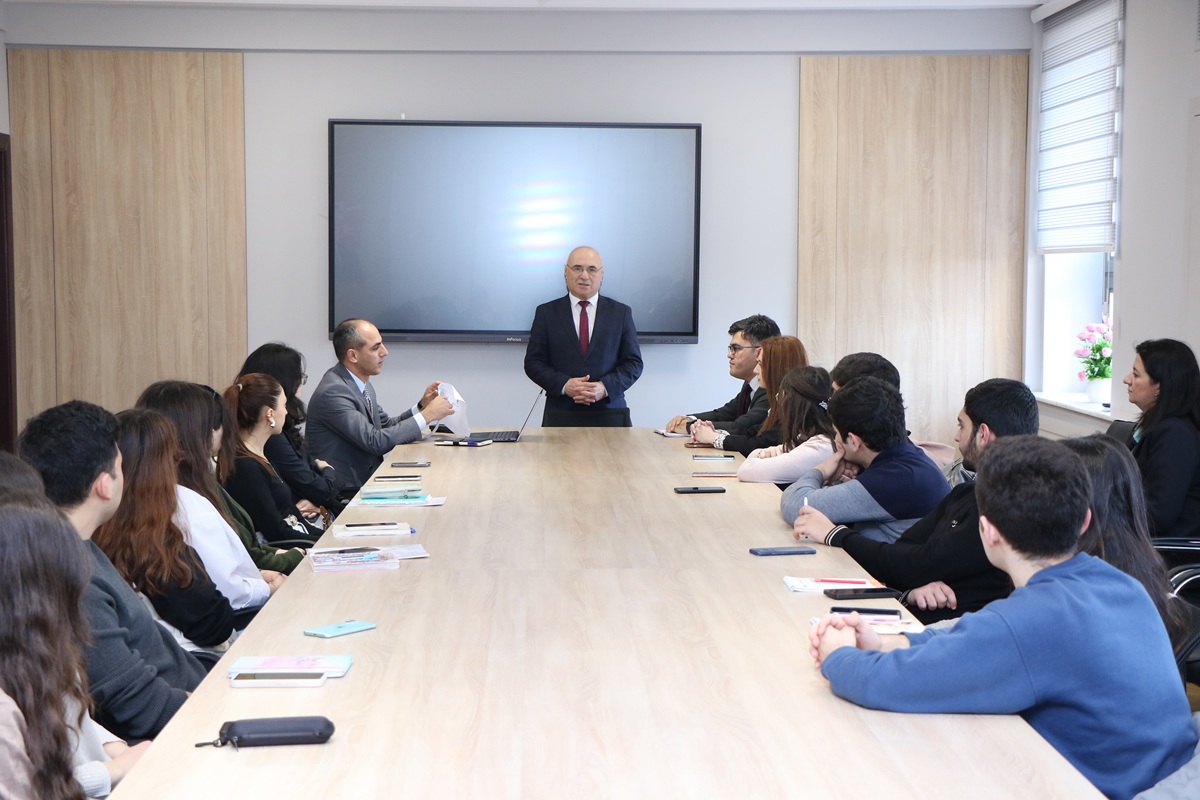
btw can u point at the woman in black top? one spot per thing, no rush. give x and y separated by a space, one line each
1165 384
259 409
314 483
1119 532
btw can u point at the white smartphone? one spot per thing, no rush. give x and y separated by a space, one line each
340 628
255 680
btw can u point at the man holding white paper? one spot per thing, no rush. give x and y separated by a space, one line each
346 425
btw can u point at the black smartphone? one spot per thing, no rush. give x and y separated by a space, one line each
875 612
699 490
781 551
861 594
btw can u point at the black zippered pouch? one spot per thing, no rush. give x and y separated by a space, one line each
266 731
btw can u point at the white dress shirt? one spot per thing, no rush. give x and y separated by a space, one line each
225 558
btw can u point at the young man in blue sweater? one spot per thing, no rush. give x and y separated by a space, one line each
894 484
1078 649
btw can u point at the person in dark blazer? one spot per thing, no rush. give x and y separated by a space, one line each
583 348
747 411
1165 386
346 426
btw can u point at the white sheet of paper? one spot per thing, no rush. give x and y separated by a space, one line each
821 584
457 421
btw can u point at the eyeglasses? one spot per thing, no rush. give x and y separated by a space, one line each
579 268
734 349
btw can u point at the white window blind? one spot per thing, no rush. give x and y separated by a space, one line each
1078 131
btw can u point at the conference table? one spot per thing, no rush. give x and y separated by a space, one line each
579 630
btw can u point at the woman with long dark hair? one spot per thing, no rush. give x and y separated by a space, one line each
805 431
312 481
146 543
777 356
1119 532
259 408
205 430
1165 385
43 690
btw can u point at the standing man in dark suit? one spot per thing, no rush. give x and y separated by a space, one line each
748 410
583 348
346 425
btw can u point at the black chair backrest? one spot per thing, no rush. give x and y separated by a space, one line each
1122 431
586 418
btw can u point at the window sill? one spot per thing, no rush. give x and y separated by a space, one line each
1067 414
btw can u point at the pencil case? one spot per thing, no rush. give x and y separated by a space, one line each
266 731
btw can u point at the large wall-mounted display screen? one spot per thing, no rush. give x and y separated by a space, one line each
456 231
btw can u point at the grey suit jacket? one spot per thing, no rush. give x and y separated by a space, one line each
338 430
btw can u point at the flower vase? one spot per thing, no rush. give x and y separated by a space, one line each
1099 390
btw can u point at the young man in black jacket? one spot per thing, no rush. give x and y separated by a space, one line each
939 562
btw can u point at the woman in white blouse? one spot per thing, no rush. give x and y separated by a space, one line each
806 434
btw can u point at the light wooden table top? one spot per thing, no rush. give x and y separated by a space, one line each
580 631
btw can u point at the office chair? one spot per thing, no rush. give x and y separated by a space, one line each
586 418
1121 430
1185 587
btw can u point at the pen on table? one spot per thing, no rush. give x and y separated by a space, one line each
855 581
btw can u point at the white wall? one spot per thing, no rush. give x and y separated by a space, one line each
736 74
748 207
1155 287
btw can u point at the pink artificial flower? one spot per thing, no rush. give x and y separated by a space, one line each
1083 336
1083 376
1102 328
1091 327
1091 337
1082 352
1106 352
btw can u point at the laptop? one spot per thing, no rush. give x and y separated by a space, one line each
505 436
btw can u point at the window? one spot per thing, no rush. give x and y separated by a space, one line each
1076 173
1079 105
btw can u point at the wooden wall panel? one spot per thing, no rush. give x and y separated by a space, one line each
134 215
817 257
129 208
1005 288
226 158
920 273
33 242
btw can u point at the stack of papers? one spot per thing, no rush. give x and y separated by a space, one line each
821 584
387 489
347 559
407 500
369 529
332 666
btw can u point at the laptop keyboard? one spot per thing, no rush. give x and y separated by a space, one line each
497 436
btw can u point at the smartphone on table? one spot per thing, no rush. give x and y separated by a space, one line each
871 592
340 628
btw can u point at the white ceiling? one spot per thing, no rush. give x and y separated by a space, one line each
588 5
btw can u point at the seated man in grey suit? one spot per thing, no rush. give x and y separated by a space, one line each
747 411
346 426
